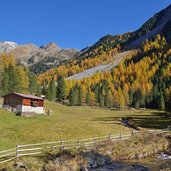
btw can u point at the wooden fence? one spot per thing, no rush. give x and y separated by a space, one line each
40 148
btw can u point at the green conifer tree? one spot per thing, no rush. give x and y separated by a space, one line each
48 93
72 97
161 102
5 83
33 86
137 98
80 96
96 92
53 90
88 98
14 83
39 90
60 88
102 99
109 100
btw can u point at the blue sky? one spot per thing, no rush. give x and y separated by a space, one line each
72 23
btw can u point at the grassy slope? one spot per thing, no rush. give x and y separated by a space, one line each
68 123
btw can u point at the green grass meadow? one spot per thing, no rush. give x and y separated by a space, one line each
72 123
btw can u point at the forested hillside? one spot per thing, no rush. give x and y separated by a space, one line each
16 78
141 80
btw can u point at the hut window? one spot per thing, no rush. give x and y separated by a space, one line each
33 103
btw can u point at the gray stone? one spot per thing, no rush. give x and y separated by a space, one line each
83 168
20 165
108 152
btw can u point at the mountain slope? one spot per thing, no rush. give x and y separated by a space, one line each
142 80
104 44
158 24
44 60
95 55
101 68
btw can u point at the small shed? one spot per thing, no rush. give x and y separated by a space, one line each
24 104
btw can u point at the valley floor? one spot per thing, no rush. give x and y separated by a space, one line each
73 123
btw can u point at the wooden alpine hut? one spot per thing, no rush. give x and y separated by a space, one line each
24 104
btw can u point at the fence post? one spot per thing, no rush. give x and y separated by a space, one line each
120 135
78 143
109 137
132 132
94 140
17 152
62 147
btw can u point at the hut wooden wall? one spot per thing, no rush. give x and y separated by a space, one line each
12 100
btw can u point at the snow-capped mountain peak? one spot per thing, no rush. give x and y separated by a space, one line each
6 46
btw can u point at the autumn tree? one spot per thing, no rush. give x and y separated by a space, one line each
92 98
23 76
1 78
121 98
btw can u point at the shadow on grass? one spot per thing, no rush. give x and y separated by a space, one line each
156 120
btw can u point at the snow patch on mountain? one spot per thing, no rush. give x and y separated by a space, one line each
7 46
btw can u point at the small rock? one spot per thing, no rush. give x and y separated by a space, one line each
50 112
108 152
20 165
57 162
83 169
4 169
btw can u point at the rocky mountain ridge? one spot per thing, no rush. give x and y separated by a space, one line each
7 46
48 56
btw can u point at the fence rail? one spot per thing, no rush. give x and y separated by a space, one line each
39 148
7 155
